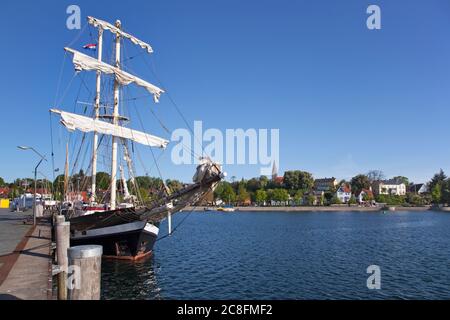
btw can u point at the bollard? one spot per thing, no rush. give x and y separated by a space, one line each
62 244
59 218
85 272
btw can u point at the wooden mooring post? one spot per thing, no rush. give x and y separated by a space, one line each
62 244
85 272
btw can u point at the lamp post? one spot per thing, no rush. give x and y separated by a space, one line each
35 177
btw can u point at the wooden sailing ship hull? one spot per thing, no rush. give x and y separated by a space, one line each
120 232
128 241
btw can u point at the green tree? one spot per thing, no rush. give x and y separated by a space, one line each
367 197
174 185
352 200
436 193
58 185
2 182
242 195
145 196
280 195
149 183
298 196
393 200
416 199
298 180
253 184
445 188
438 179
263 181
225 192
322 200
260 196
13 192
310 199
102 180
360 182
402 179
336 200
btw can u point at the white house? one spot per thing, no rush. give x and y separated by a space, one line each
389 187
344 193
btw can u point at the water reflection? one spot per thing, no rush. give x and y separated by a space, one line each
130 280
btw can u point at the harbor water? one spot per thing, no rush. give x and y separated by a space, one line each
276 255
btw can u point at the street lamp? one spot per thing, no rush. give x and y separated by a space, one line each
35 177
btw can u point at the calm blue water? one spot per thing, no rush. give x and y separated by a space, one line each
291 256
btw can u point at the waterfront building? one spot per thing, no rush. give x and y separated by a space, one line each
419 188
318 197
364 193
344 193
389 187
325 184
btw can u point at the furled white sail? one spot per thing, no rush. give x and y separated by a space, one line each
85 124
107 26
85 62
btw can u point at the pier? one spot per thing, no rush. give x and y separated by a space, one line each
25 258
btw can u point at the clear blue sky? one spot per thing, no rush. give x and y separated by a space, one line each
346 99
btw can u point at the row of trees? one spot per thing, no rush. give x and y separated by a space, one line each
261 190
149 187
298 186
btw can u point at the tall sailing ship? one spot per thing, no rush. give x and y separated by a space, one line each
127 229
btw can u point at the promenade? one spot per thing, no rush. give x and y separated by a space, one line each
25 261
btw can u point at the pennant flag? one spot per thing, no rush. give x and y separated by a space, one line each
91 46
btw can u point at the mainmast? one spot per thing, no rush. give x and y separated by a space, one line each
115 122
97 113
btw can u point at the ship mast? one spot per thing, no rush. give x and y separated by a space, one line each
97 113
74 121
115 122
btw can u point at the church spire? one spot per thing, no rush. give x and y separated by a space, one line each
274 171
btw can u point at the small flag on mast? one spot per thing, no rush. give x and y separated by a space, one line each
90 46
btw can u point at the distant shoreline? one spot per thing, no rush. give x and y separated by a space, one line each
316 209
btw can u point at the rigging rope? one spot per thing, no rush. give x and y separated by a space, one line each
78 36
53 154
60 78
153 71
188 149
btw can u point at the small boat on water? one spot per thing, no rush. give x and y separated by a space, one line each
227 208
